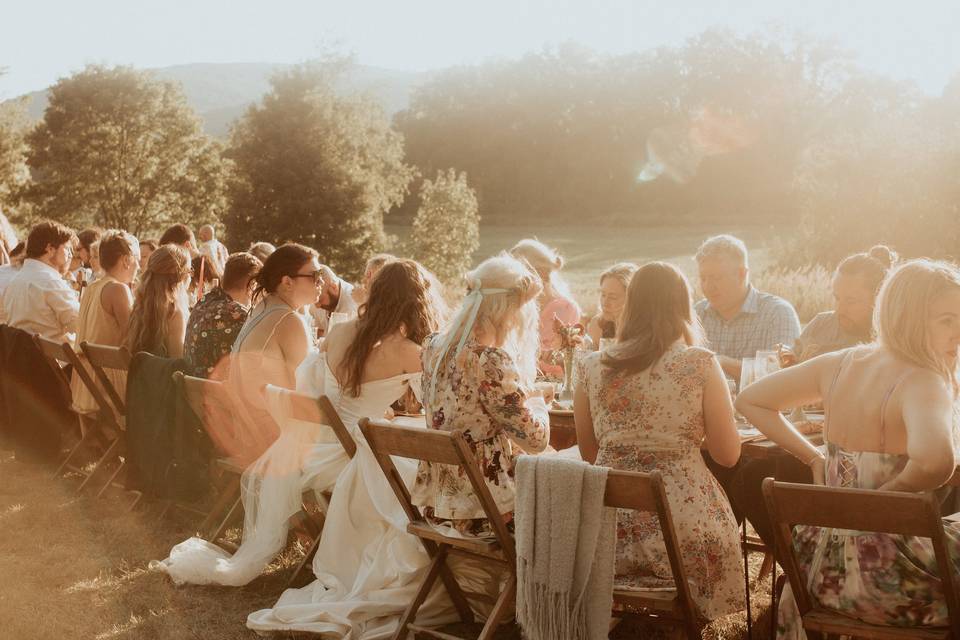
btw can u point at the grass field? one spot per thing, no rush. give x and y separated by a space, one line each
76 567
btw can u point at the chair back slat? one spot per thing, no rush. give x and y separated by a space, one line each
61 352
889 512
428 445
102 357
630 490
318 410
894 512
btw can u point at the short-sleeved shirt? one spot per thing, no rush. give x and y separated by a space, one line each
825 333
211 331
764 321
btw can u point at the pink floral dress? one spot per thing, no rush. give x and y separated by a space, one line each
477 394
653 421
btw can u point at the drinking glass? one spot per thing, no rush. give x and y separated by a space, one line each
747 372
767 363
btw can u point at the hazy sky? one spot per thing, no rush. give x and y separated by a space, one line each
43 40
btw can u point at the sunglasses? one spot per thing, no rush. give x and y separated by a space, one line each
316 275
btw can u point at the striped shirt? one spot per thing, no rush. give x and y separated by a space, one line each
764 321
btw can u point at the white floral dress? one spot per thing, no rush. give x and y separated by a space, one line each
477 394
653 421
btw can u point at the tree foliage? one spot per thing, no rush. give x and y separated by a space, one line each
446 228
13 149
118 148
316 167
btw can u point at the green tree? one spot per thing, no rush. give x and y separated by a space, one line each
317 168
13 147
118 148
446 228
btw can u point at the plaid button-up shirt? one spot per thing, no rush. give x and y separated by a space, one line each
764 321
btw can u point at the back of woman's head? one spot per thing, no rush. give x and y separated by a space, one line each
622 272
210 272
545 261
657 313
285 261
507 314
114 245
167 268
902 313
871 267
403 297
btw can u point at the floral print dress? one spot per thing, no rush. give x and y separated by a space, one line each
478 394
879 578
653 421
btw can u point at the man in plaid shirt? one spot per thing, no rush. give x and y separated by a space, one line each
737 319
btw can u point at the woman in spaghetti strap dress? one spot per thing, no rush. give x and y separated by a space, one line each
270 345
891 425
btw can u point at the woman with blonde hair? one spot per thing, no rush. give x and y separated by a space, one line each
158 322
648 403
891 425
613 294
555 298
479 379
106 307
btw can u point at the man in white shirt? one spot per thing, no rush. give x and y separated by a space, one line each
38 299
212 248
7 273
335 297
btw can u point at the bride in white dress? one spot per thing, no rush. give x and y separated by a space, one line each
367 566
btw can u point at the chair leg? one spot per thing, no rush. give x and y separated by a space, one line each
228 496
107 455
120 467
237 507
306 562
433 572
84 439
499 609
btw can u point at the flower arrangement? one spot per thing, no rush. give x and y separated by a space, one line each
571 338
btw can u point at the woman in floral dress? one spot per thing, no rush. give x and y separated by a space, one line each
890 425
646 404
478 379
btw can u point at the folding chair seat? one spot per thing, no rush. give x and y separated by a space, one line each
101 426
439 447
890 512
101 357
645 492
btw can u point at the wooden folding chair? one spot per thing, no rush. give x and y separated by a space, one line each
891 512
213 406
645 492
318 411
100 426
101 357
439 447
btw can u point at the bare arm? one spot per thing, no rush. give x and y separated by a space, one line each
586 438
927 409
723 441
118 302
292 339
761 403
730 366
176 332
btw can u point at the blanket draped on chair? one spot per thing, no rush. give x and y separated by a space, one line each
565 549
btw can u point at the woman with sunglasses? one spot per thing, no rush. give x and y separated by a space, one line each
271 344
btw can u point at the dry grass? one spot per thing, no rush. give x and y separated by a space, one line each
76 567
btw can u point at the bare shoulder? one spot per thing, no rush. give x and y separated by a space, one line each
406 351
115 293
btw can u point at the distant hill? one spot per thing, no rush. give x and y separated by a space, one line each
220 93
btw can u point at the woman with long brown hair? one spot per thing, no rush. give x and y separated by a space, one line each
158 322
646 404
